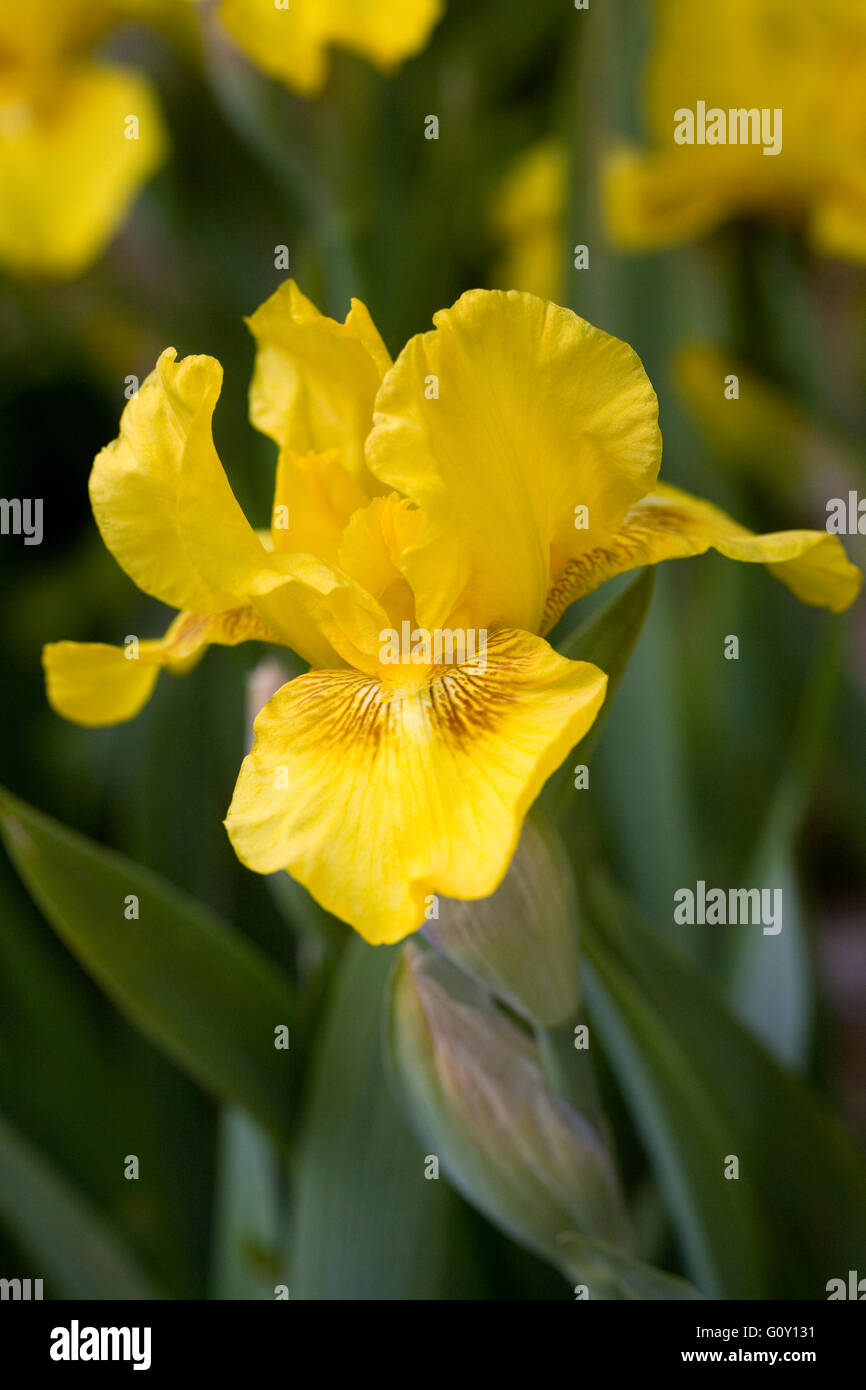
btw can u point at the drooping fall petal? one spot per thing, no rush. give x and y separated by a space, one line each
375 798
670 524
94 684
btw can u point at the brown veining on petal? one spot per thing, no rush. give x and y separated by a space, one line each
462 702
630 546
360 714
467 703
469 700
243 624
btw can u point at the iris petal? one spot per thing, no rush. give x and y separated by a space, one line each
315 379
501 422
291 42
93 683
376 799
670 524
68 171
167 513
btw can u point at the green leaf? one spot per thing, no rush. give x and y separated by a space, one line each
607 638
702 1088
368 1224
186 979
105 1082
771 986
72 1246
246 1216
325 934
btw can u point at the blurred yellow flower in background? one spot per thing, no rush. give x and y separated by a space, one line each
504 466
804 59
767 438
78 137
528 221
290 41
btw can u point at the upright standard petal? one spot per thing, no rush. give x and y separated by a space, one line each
670 524
376 799
291 41
525 435
372 550
315 379
167 513
71 163
314 499
164 456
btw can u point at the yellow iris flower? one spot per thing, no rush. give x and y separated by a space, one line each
807 61
290 41
505 465
78 137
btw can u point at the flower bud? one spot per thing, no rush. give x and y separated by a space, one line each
521 942
472 1082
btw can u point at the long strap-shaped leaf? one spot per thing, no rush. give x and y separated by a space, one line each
701 1089
71 1244
191 983
367 1224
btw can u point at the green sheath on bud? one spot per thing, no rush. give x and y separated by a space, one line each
474 1088
521 942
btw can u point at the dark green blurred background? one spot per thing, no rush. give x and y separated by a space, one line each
705 767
